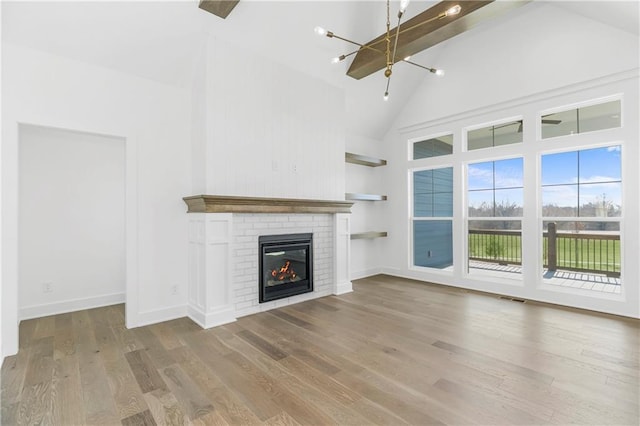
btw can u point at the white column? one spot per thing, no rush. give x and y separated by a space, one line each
342 253
209 297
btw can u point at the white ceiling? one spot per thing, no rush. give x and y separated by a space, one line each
161 40
624 15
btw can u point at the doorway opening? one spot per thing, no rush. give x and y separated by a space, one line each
72 248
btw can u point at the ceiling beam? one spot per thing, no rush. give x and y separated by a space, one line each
425 30
221 8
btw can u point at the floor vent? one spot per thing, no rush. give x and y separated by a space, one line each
513 299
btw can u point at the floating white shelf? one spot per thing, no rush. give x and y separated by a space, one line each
364 160
364 197
368 235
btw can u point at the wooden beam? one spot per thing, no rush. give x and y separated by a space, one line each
427 31
221 8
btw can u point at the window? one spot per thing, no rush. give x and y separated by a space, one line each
501 134
432 218
495 201
581 120
531 212
495 188
585 253
433 193
586 183
434 147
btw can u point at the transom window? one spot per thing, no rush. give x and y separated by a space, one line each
500 134
581 120
434 147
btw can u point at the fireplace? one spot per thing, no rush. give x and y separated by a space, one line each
286 265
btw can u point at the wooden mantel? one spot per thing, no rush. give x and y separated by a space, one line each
233 204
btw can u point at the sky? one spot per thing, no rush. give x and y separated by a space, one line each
590 165
508 174
500 179
595 173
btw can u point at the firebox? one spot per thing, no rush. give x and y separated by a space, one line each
286 265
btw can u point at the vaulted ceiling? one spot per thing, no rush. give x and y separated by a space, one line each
161 40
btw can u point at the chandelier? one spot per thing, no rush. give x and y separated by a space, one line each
390 52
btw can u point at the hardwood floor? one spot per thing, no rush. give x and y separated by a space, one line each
392 352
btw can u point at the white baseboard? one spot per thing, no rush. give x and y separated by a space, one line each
395 272
343 288
161 315
37 311
365 273
220 316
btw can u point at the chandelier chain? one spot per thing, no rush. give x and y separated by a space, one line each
388 38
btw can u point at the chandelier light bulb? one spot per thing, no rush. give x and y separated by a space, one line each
335 60
320 31
403 5
453 10
386 96
439 73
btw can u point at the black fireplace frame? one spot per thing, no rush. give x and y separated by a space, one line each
284 242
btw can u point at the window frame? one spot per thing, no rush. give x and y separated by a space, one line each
413 218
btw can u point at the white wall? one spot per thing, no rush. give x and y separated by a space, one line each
509 70
51 91
71 227
199 125
271 131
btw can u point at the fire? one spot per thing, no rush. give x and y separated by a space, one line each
285 272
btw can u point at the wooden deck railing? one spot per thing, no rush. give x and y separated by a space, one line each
572 251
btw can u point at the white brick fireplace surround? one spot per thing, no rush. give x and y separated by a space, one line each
223 252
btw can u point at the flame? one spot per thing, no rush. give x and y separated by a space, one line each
284 272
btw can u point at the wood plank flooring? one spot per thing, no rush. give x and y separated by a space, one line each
392 352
